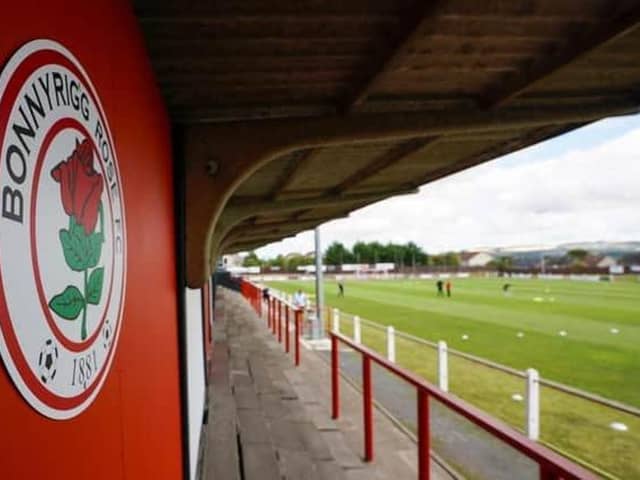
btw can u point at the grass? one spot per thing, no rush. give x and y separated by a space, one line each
589 357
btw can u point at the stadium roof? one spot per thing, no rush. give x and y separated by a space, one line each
291 113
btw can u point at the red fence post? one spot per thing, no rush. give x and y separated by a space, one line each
276 315
286 329
551 465
424 435
280 322
296 327
256 302
335 380
367 400
547 474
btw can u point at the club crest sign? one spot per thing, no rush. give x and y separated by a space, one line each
62 231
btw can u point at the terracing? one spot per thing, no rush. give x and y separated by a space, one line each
269 420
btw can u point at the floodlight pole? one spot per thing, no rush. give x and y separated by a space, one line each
319 330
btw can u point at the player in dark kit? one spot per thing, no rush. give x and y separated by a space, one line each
439 286
340 289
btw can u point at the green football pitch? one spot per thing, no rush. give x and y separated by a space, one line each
582 334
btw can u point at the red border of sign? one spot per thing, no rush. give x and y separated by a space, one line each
26 67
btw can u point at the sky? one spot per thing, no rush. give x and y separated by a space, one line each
581 186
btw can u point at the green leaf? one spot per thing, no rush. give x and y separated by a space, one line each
94 286
81 251
68 304
94 247
91 244
74 250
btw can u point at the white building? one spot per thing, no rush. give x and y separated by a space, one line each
606 262
476 259
233 260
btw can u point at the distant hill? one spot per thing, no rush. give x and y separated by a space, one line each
615 249
531 256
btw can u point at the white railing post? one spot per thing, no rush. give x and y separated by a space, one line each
533 404
336 321
357 335
443 367
391 344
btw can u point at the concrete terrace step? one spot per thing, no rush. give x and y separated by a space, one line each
270 420
259 428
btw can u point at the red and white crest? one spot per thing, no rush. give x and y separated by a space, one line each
62 231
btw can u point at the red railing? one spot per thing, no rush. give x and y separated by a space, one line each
253 294
275 306
552 466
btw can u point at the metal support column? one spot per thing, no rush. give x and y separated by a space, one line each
318 330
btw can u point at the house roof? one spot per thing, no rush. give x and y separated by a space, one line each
466 256
369 98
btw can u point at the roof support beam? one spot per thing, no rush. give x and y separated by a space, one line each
388 158
278 231
275 234
237 212
240 209
250 245
300 213
410 30
302 158
211 16
510 144
464 163
621 23
278 226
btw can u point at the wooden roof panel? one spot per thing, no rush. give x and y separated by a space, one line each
431 158
177 9
301 26
264 180
213 55
486 51
549 10
347 62
613 68
331 165
432 83
195 98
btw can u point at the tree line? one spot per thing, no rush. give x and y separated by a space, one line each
402 255
409 255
